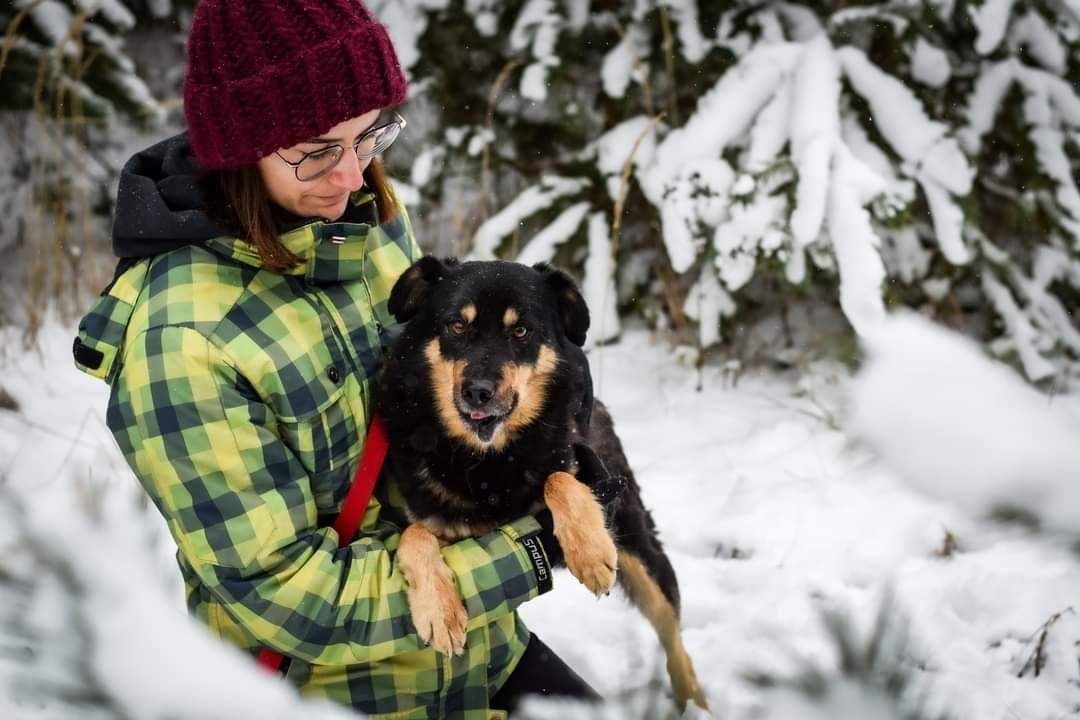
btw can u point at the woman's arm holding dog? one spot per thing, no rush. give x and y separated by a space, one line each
242 511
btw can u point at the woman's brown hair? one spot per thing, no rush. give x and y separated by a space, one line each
239 203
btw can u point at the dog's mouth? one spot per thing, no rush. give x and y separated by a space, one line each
485 421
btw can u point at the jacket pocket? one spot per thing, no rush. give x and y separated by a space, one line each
324 440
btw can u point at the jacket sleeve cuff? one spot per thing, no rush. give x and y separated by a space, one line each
496 572
552 549
543 552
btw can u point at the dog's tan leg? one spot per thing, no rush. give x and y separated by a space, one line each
647 597
437 610
579 526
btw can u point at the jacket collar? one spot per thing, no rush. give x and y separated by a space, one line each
329 252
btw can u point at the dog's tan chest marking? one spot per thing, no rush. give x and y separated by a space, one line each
449 532
440 491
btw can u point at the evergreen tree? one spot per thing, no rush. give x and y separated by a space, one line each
698 160
71 96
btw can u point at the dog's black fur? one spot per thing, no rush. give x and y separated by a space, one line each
498 486
481 462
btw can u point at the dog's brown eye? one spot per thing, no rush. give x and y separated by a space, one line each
519 331
456 327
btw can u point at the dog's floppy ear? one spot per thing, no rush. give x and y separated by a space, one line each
411 289
573 312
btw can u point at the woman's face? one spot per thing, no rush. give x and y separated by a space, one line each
326 196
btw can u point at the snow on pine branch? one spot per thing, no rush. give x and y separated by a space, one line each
598 286
112 10
534 199
854 241
542 246
991 19
616 147
537 30
87 34
814 125
809 148
789 95
1051 108
1033 33
692 44
755 224
707 303
623 62
898 115
407 21
723 114
929 154
795 94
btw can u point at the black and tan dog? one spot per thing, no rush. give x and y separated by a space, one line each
485 394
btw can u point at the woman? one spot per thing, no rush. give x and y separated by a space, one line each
241 338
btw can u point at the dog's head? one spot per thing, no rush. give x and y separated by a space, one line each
494 337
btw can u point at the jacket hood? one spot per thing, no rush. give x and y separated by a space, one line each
159 206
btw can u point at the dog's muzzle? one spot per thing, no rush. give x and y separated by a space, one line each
481 408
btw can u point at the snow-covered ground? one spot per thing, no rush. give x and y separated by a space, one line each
773 517
771 514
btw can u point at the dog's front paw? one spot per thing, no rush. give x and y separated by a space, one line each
437 611
579 526
592 560
438 614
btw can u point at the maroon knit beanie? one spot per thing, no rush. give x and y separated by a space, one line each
267 74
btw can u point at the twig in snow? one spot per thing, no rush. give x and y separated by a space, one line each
489 125
1037 660
825 416
668 281
7 402
624 181
669 63
10 36
949 546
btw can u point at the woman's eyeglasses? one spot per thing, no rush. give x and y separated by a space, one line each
315 164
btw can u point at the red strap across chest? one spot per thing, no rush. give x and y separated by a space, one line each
352 510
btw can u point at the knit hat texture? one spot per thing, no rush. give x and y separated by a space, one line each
267 74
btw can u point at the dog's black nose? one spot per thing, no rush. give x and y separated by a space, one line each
478 392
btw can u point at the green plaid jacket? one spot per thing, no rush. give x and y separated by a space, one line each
240 398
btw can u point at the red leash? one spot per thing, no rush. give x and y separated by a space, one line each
352 510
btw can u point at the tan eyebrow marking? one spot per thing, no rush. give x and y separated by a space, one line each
510 317
469 313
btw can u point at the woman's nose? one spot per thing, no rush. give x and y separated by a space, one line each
349 173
